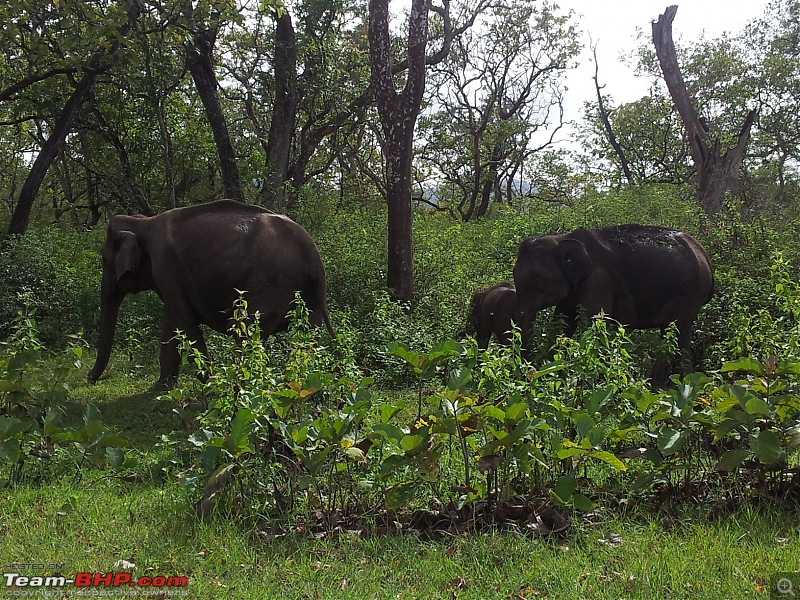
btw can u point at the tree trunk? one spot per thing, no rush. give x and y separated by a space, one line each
281 129
200 65
52 146
398 113
716 172
606 120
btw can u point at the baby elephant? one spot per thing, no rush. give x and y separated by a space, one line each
492 312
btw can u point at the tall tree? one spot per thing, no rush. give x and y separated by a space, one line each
774 45
284 112
501 84
97 64
398 113
605 119
199 62
717 169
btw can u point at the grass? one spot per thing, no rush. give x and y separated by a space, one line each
89 519
92 525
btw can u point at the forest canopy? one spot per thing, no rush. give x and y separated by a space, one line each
161 104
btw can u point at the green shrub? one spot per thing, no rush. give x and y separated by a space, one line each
33 388
58 271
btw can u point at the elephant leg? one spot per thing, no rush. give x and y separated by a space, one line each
482 335
503 336
685 347
170 359
663 368
570 318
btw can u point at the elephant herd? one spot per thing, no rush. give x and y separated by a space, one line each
644 276
198 258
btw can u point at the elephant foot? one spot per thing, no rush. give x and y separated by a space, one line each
164 384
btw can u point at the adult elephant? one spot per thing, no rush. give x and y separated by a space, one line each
492 311
197 259
639 275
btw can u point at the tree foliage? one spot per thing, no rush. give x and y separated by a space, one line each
500 88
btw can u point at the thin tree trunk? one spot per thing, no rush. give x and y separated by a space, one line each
200 65
398 113
604 117
284 113
52 146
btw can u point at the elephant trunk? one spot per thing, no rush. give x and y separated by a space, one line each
524 318
109 309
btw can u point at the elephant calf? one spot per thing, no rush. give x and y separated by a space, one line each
492 312
197 259
639 275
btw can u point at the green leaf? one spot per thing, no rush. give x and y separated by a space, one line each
388 411
9 450
553 368
11 385
582 503
299 434
459 378
565 487
414 360
757 406
401 494
609 459
643 481
766 445
116 457
11 426
670 441
445 350
20 360
565 453
732 460
412 444
241 426
356 454
583 425
598 398
388 431
493 412
93 422
746 365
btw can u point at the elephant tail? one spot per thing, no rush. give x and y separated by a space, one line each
316 300
326 317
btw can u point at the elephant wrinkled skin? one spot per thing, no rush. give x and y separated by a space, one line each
492 311
198 259
642 276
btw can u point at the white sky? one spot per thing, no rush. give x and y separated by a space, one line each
612 25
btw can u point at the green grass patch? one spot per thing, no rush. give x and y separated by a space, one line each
92 525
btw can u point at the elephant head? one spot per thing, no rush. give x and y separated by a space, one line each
126 270
493 311
548 271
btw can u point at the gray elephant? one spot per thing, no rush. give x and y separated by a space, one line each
197 259
642 276
492 311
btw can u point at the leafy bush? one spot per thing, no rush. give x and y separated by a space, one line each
32 390
58 273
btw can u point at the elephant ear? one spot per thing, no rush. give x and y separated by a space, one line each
574 260
126 259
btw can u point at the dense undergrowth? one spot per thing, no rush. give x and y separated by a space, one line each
399 412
